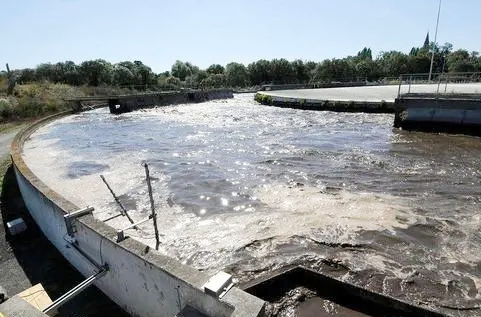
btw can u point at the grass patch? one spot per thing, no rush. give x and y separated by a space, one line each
263 99
41 99
5 163
10 126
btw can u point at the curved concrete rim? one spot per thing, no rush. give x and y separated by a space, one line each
243 303
130 245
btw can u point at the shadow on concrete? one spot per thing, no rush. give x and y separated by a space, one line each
29 258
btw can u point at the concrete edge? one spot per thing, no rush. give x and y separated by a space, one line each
243 303
270 99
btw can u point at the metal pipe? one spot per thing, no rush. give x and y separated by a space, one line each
137 223
435 37
51 309
120 233
68 218
122 208
112 217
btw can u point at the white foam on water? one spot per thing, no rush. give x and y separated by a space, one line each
285 210
257 237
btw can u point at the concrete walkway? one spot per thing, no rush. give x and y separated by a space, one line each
5 141
370 93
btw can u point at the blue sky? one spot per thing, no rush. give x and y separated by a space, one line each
207 31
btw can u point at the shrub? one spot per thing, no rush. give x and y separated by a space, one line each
263 99
6 109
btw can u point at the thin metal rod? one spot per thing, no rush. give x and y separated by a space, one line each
152 206
112 217
122 208
137 223
51 309
79 213
435 37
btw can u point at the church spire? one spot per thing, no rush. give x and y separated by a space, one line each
426 41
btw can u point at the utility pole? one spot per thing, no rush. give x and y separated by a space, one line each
434 47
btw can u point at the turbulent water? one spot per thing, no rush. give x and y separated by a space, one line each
249 189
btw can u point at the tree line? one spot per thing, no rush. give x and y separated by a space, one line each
361 67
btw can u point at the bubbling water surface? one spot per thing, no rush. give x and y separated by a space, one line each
248 189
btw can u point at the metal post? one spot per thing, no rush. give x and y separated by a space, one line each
435 36
399 88
122 209
73 215
152 206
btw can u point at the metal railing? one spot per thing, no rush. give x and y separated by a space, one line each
440 82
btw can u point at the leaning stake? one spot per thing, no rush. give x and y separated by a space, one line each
154 215
122 209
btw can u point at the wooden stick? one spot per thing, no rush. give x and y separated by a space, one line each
122 208
152 206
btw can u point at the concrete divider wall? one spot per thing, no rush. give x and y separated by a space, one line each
142 281
123 104
325 105
451 114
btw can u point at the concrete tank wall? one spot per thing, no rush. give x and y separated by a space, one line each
142 281
121 104
325 105
451 114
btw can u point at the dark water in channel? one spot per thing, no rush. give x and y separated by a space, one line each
249 189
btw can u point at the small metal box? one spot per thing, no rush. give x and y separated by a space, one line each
16 226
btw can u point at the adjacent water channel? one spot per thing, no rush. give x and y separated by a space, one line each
248 189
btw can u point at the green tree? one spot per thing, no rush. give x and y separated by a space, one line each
143 74
214 81
195 80
300 72
236 75
393 63
27 75
71 74
46 71
259 72
334 70
281 71
364 54
122 76
419 63
215 69
460 61
96 72
181 70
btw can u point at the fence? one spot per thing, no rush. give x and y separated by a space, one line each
408 82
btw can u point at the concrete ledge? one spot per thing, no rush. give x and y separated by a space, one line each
140 280
325 105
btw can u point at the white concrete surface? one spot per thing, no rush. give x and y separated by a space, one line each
371 93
